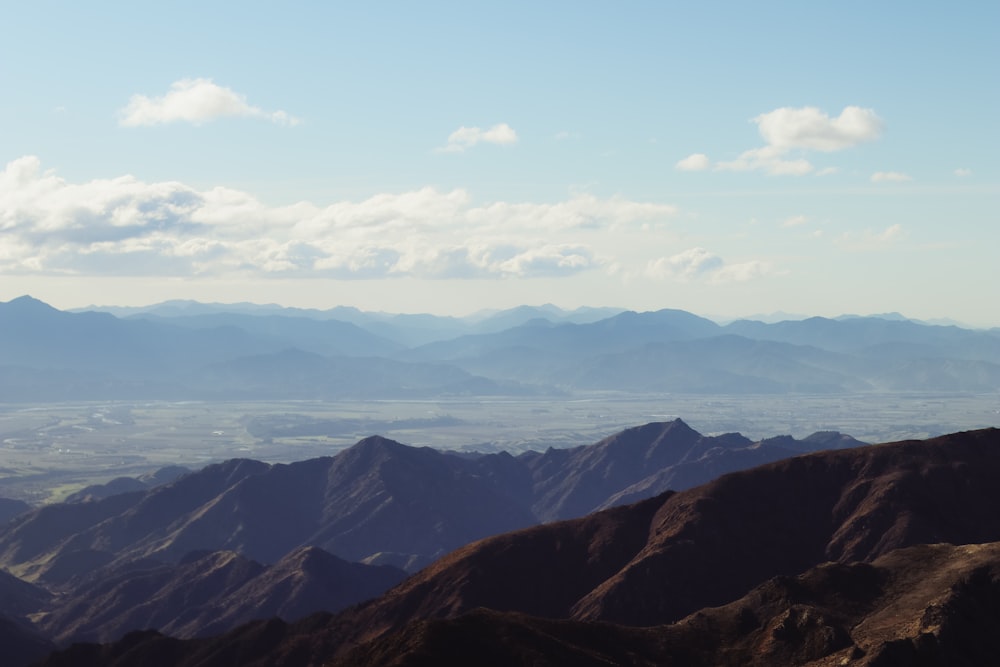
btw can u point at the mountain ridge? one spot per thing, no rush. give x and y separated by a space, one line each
706 534
47 354
379 501
880 555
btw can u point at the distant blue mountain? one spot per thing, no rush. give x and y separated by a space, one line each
186 349
327 337
402 328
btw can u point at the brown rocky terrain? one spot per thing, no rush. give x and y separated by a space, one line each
210 593
379 501
816 559
379 496
656 561
923 605
188 556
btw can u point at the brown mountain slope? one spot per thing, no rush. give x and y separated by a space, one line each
709 544
924 605
702 467
306 581
378 500
541 571
927 606
644 461
573 482
378 496
101 530
211 593
657 561
152 597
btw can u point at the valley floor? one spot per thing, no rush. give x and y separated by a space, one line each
49 451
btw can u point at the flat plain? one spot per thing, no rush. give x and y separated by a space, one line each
48 451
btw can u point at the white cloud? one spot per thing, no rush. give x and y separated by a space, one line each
809 128
962 173
195 101
788 132
695 162
890 177
698 263
795 221
467 137
126 227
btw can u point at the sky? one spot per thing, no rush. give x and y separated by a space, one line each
726 158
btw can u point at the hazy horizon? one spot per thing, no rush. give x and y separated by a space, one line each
721 159
774 316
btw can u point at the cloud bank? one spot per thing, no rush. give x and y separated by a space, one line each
125 227
195 101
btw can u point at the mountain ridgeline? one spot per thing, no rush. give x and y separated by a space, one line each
654 546
200 553
876 556
379 501
204 351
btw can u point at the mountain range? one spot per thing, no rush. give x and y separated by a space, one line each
406 330
654 546
379 501
879 555
215 351
204 551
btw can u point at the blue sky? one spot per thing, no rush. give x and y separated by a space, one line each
725 158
